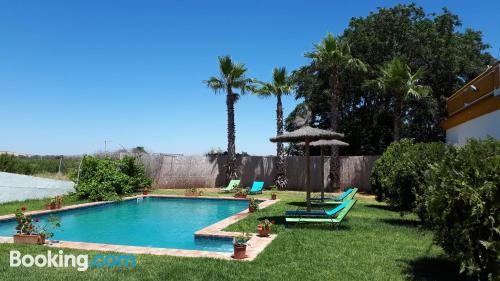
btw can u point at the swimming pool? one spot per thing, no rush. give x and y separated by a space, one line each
150 222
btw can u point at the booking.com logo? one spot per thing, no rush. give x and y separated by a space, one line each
80 262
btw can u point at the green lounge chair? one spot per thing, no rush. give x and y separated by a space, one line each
257 187
322 219
318 213
231 186
342 198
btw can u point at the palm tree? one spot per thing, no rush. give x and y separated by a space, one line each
280 86
232 76
395 78
332 56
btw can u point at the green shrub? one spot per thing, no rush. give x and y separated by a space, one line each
106 179
398 174
12 164
29 165
137 177
463 200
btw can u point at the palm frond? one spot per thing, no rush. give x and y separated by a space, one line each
215 84
418 92
236 97
279 75
225 65
244 84
334 53
357 64
395 77
238 71
232 75
282 84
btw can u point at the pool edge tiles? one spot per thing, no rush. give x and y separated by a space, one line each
256 244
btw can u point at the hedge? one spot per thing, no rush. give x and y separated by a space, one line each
398 175
463 202
107 179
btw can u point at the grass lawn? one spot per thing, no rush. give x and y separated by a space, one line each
373 244
35 204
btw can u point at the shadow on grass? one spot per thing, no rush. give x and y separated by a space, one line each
297 204
433 269
317 206
402 222
280 220
381 207
321 226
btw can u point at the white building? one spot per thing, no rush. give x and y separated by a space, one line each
474 110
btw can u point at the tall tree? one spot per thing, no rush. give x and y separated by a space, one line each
395 79
231 77
280 86
332 56
434 42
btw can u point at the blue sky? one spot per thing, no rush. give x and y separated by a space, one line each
76 73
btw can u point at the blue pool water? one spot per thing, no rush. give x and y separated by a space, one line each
152 222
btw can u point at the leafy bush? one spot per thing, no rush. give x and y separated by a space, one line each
398 175
11 164
463 200
106 179
36 164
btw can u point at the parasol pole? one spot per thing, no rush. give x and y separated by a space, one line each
322 174
308 175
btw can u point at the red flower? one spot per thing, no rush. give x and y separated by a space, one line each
273 221
23 209
37 219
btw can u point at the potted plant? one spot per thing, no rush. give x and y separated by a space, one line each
145 191
240 246
253 205
28 233
193 191
52 205
59 201
25 230
264 228
273 192
240 193
45 230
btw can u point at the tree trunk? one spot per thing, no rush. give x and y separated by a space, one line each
334 175
398 115
231 171
281 178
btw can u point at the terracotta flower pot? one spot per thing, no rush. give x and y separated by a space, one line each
263 232
50 206
41 239
250 209
59 206
273 196
240 195
29 239
145 192
239 252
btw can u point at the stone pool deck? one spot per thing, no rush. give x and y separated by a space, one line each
255 246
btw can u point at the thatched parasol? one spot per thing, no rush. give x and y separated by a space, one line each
321 144
307 134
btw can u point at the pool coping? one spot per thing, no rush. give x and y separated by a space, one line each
255 245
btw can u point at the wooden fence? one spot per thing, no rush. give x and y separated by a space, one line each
208 171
